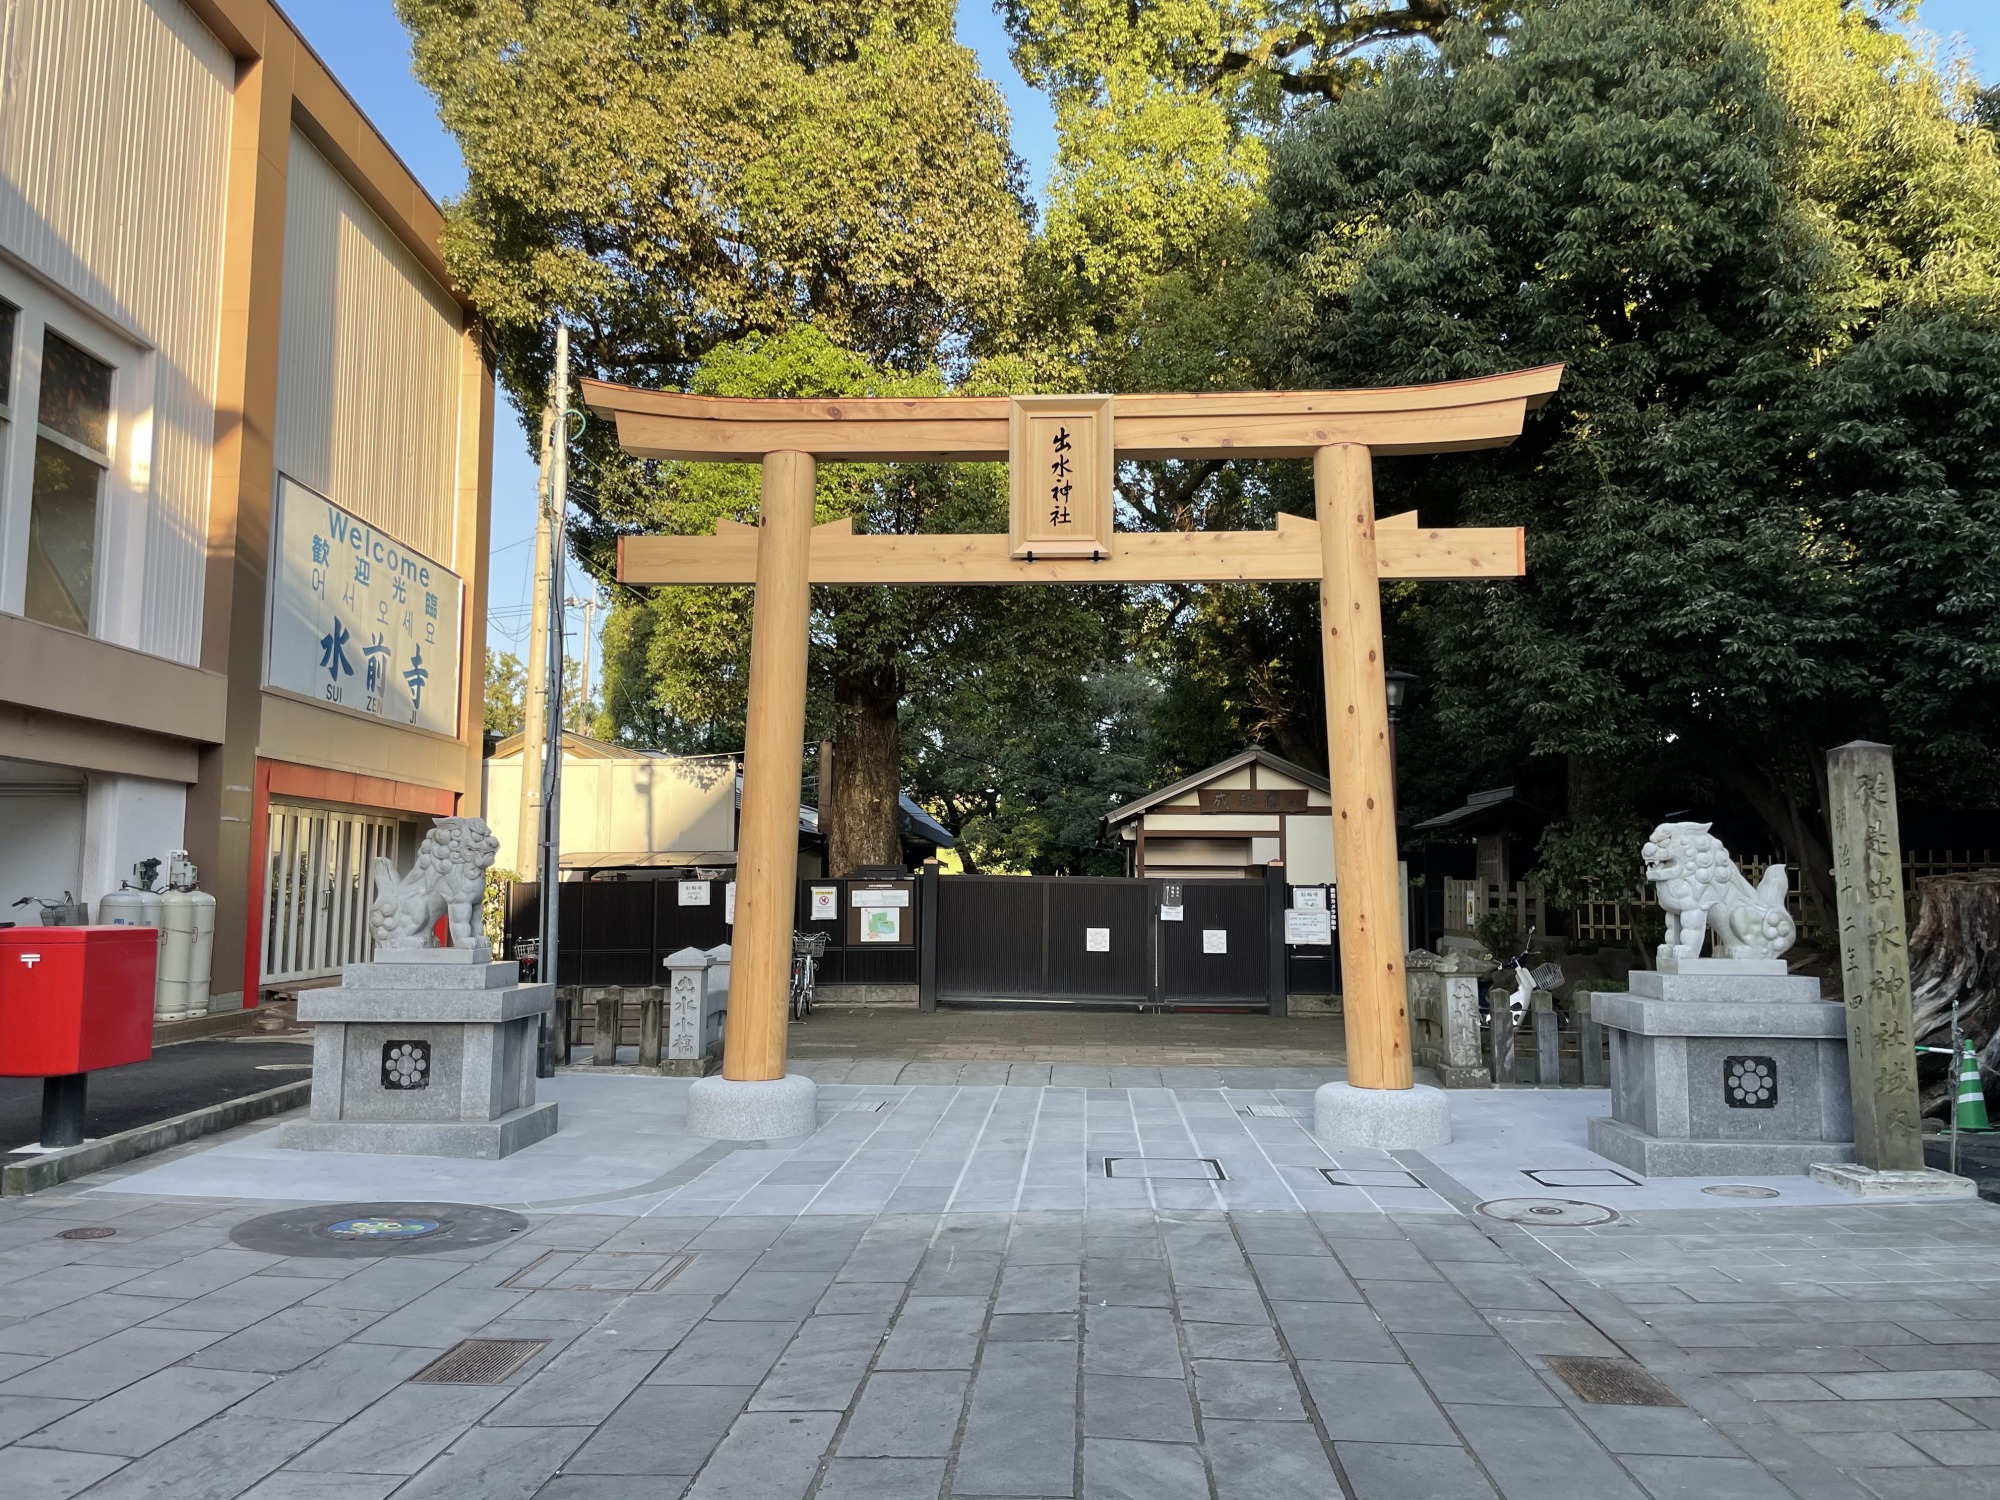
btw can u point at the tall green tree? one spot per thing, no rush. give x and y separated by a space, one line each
677 183
1763 517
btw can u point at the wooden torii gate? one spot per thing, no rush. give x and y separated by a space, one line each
1061 452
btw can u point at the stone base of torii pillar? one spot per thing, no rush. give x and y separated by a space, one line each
1381 1119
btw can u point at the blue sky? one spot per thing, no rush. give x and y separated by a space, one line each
368 51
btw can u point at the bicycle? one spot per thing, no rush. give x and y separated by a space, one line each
808 948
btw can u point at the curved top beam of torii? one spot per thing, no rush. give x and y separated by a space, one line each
1450 416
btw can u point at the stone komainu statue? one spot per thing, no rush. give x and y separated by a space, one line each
447 880
1702 891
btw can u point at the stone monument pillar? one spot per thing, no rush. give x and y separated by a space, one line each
1875 975
428 1050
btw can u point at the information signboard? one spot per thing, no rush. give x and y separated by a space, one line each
358 620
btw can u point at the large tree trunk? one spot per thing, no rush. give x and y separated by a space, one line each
859 816
1800 830
1955 960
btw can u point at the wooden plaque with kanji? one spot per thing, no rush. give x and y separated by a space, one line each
1060 468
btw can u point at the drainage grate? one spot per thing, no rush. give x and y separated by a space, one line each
90 1232
1185 1168
479 1362
1370 1177
862 1109
599 1271
1610 1382
1270 1111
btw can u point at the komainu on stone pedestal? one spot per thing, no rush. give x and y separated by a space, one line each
1702 892
427 1051
448 880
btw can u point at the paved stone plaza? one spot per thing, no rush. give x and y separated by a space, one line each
1153 1339
1035 1038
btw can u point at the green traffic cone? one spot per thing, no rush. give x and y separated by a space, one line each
1971 1096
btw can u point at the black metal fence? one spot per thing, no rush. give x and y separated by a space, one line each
968 939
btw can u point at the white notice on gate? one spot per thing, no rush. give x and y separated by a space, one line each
1309 929
729 903
1215 940
694 893
1170 914
825 904
878 898
1097 940
1309 898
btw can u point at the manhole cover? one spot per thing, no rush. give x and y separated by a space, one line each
1740 1190
479 1362
89 1232
1561 1213
341 1230
284 1067
1610 1382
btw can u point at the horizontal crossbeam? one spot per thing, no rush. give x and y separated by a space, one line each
1449 417
1289 554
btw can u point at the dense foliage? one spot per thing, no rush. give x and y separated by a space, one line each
1762 235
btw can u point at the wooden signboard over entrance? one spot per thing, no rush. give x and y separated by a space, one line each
1060 476
1254 799
1344 548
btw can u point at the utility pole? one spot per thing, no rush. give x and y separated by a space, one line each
541 739
589 605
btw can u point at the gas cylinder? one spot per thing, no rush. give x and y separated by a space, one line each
177 938
204 952
138 906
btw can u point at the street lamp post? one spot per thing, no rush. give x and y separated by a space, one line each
1396 684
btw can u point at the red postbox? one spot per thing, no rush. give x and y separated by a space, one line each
72 1000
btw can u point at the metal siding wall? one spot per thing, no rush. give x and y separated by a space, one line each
368 365
114 142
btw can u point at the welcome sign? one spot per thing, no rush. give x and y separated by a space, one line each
358 620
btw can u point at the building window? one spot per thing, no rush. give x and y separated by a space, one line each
72 453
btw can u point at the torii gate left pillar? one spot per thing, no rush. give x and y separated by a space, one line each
1345 549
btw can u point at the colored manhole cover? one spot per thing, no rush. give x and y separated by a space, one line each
344 1230
90 1232
1739 1190
382 1229
1560 1213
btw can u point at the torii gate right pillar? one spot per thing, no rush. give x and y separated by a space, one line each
1379 1106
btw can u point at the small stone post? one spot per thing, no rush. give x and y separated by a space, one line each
652 1024
1874 956
1548 1043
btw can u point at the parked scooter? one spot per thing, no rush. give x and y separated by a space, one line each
1545 976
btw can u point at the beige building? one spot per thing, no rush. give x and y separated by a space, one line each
1232 819
245 427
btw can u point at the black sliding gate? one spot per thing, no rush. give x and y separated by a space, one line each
1185 944
972 939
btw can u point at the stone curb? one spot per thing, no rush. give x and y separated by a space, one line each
18 1179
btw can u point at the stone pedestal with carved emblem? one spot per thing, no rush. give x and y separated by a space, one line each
1724 1068
425 1052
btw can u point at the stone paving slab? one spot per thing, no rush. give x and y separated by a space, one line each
1125 1351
